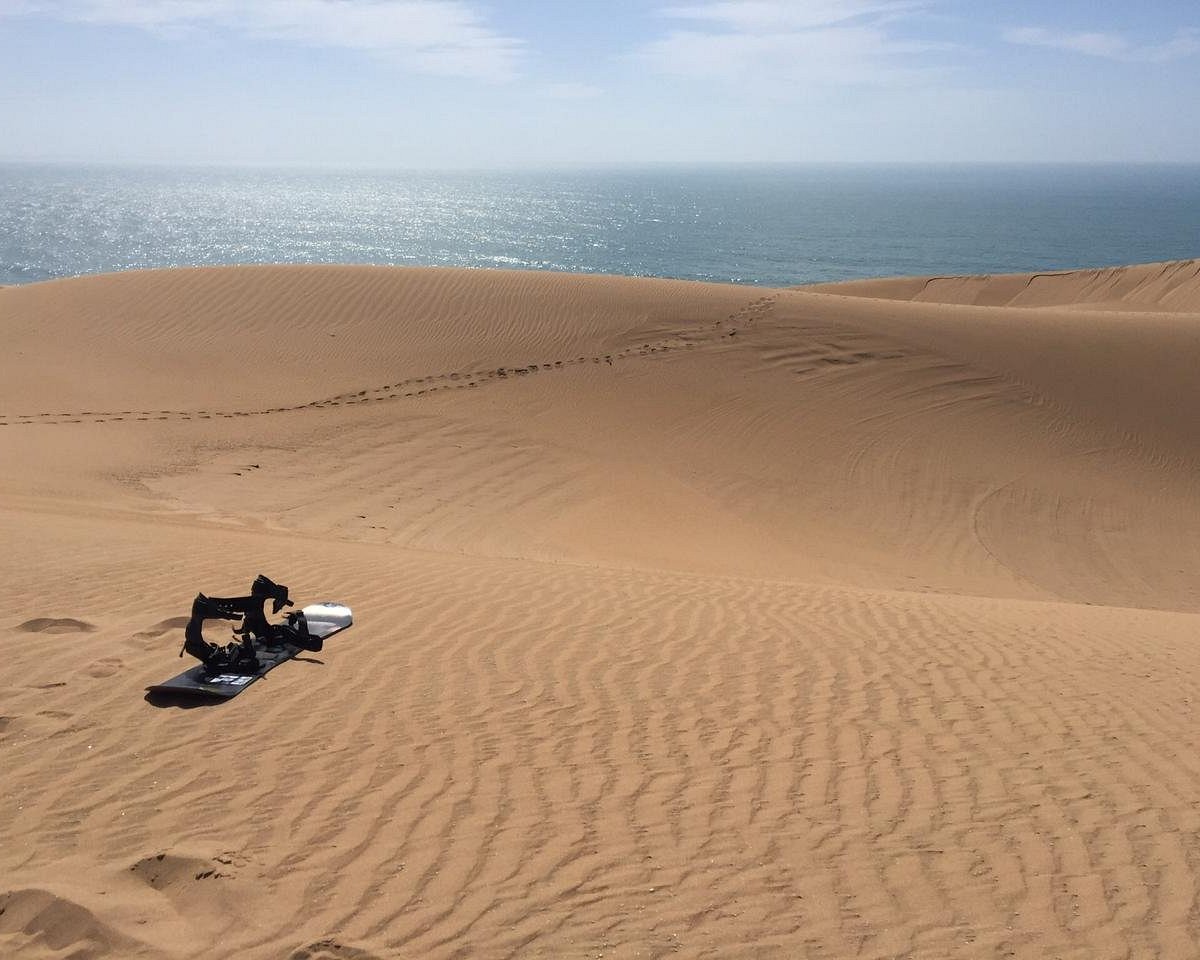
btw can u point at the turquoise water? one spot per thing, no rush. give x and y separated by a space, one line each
763 225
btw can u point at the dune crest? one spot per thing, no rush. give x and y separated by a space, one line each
690 618
1173 286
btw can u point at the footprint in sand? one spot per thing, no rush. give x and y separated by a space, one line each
149 637
56 625
105 667
41 920
331 950
167 870
163 626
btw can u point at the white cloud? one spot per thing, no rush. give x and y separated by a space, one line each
760 15
791 43
430 36
1111 46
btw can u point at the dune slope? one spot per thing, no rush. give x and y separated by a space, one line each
691 619
1173 286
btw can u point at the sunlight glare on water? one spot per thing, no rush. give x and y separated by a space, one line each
763 225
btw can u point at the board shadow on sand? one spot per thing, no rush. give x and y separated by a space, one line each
164 699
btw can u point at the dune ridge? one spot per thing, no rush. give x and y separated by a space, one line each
692 619
1172 286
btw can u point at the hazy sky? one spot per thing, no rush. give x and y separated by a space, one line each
487 82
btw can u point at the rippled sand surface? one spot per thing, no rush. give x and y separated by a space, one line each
691 620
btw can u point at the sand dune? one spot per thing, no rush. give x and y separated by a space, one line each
692 619
1172 286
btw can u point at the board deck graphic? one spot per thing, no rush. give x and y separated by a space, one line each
322 620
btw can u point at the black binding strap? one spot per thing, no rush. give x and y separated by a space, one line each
239 657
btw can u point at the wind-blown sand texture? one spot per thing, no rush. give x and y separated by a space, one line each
692 620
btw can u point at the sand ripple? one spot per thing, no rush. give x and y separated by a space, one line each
807 626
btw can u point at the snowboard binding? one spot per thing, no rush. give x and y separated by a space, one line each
232 658
255 625
240 657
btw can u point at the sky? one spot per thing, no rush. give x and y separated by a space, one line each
487 83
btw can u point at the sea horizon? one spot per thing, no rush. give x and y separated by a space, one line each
762 223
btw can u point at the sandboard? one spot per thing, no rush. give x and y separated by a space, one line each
323 620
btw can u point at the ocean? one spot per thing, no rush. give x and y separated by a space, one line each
769 225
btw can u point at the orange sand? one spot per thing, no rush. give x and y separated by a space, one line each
691 620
